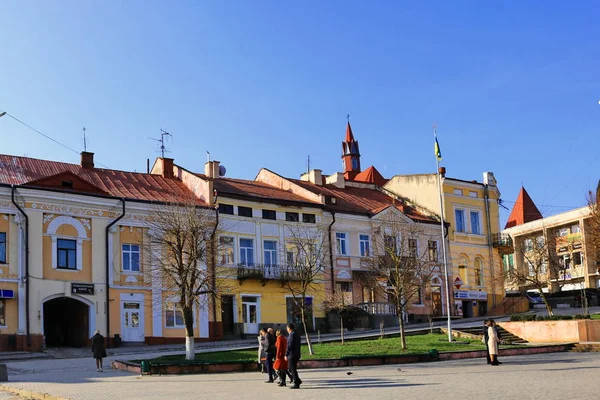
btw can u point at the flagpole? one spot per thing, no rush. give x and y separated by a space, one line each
439 179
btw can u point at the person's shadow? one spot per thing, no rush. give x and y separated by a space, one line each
355 383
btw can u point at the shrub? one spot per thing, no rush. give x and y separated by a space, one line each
580 316
523 317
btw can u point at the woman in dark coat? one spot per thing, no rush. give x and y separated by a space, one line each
281 364
98 349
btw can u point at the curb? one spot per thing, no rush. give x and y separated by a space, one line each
30 394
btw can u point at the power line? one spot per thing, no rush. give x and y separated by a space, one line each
44 135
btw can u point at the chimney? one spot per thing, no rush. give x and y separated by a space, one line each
211 169
315 177
87 160
167 167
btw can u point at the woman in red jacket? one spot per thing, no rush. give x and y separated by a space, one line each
281 364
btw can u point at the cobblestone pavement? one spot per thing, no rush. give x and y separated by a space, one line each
547 376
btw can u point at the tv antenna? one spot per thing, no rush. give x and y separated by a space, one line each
163 149
84 140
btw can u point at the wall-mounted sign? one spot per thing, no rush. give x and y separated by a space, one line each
82 288
470 295
458 282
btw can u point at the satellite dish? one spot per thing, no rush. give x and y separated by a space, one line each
222 170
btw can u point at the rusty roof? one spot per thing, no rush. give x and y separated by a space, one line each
15 170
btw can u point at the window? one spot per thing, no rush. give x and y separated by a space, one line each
540 241
528 244
475 228
459 216
131 257
269 214
363 241
66 254
174 316
270 248
342 243
462 271
245 211
478 273
543 267
530 268
575 228
473 194
309 218
226 250
412 248
562 232
345 287
458 192
247 251
290 258
389 244
577 258
294 312
292 216
226 209
2 247
420 295
565 261
432 250
2 312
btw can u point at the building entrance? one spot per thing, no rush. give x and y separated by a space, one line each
66 322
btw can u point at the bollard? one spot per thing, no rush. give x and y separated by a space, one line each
3 373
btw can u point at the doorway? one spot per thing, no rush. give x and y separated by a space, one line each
132 328
250 314
66 322
467 307
227 314
436 302
482 308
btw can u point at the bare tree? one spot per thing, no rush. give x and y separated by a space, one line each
398 267
179 247
541 269
305 250
336 302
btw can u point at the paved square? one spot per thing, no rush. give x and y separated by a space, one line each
548 377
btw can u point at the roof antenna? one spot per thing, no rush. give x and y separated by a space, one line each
308 164
163 149
207 156
84 141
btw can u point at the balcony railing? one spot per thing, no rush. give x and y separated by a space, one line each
266 272
378 308
503 242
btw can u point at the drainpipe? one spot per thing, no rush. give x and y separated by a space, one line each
108 270
489 237
27 329
331 252
214 272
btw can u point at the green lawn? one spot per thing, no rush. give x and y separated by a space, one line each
595 316
416 344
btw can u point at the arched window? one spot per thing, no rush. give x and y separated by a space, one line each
479 272
462 269
67 251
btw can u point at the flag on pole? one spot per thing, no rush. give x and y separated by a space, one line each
438 153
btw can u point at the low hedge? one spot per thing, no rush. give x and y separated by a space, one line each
534 317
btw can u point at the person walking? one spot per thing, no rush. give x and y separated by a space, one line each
281 364
98 349
270 354
262 348
292 355
493 341
486 325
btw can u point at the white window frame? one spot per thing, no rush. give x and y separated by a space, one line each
437 251
479 227
173 302
139 252
338 244
81 236
416 241
364 244
481 281
245 249
458 192
273 253
464 223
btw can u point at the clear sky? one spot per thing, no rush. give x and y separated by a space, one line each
513 86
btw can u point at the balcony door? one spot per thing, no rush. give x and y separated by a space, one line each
250 314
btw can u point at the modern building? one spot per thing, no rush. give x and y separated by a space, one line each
472 211
563 239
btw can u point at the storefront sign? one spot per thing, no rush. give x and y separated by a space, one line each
7 294
82 288
470 295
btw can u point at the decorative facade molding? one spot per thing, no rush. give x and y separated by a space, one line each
65 209
47 218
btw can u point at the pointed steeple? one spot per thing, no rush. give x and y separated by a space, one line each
523 211
350 155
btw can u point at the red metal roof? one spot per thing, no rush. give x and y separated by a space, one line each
523 211
16 170
257 190
365 201
370 175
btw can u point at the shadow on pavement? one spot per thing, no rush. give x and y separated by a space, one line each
354 383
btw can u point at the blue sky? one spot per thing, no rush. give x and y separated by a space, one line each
513 87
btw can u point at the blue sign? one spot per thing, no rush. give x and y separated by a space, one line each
7 294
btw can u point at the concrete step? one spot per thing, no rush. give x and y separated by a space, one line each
506 335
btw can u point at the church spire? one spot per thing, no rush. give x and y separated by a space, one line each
350 155
523 211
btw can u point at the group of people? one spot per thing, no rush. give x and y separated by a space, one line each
491 338
280 355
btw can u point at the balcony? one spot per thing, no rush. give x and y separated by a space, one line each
503 242
378 308
266 272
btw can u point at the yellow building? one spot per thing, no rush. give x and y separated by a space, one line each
471 209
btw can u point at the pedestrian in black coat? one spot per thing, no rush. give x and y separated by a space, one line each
270 354
98 349
292 355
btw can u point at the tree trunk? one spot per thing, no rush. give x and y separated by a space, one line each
342 328
548 307
188 319
308 343
402 338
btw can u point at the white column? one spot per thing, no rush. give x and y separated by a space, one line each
258 259
157 301
204 316
21 293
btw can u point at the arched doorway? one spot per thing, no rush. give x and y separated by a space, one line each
66 322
